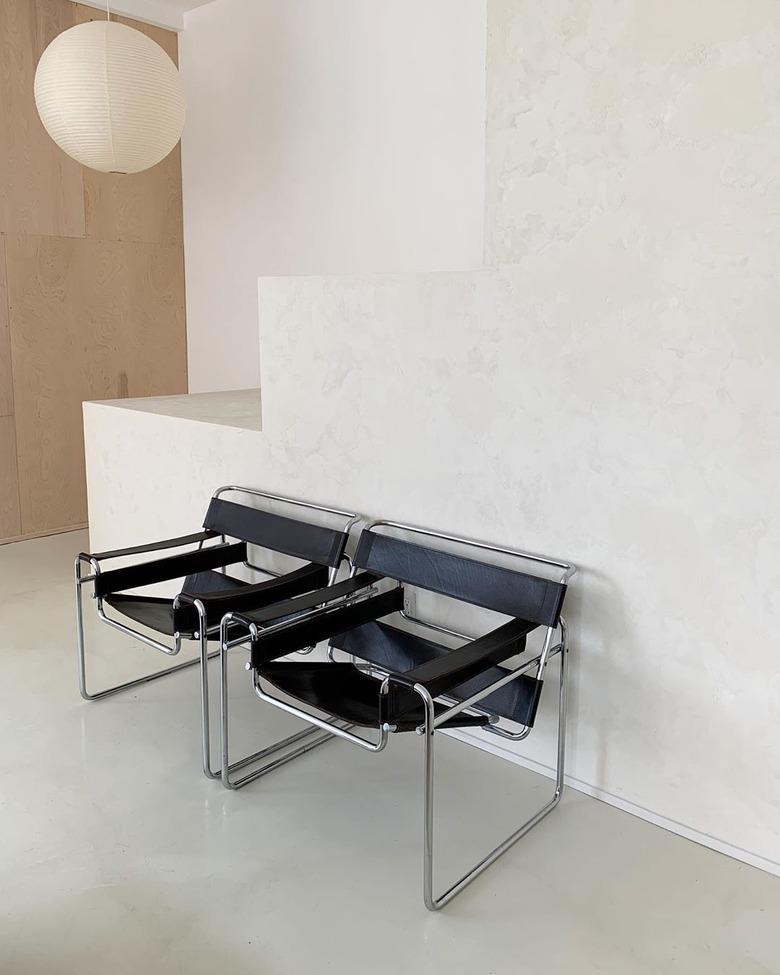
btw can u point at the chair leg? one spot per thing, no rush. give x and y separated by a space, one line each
315 735
205 714
202 660
432 902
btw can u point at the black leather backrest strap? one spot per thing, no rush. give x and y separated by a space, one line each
479 583
314 543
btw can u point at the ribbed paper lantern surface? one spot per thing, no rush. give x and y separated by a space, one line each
110 97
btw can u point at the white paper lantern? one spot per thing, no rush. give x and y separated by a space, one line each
110 97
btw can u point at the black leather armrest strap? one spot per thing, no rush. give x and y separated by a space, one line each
453 668
174 567
320 597
151 546
306 632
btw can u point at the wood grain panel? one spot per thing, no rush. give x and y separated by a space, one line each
6 386
89 320
41 190
9 492
137 207
140 206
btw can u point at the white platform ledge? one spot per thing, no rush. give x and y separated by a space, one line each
234 408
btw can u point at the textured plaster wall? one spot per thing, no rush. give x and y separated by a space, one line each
474 403
637 139
633 152
608 391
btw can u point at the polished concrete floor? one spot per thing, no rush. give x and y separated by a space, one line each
117 856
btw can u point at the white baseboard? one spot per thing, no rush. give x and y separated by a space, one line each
704 839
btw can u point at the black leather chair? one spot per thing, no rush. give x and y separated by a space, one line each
208 590
398 678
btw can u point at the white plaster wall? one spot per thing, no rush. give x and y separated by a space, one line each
323 136
633 152
642 138
481 403
607 393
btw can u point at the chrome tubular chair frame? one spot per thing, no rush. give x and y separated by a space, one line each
567 571
433 720
203 634
432 901
319 731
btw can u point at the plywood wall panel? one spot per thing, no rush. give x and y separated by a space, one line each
9 492
142 206
91 283
41 189
89 320
6 382
139 207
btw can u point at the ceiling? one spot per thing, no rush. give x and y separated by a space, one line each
165 13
